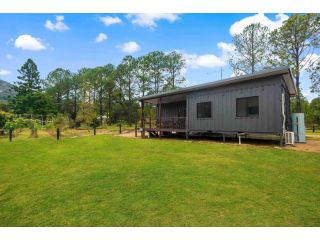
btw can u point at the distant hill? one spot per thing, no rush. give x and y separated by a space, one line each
5 90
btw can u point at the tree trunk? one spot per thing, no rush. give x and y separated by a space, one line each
100 106
109 108
298 95
252 54
75 106
297 63
59 102
143 88
173 78
142 120
136 128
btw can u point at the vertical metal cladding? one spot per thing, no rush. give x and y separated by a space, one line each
223 105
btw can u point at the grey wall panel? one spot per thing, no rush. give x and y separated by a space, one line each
224 107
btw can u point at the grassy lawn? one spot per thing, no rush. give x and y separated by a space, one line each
313 135
114 181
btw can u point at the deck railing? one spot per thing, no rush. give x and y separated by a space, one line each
167 123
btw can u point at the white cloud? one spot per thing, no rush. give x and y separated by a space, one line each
4 72
27 42
210 60
206 60
129 47
238 73
59 18
238 26
108 20
227 50
9 56
101 37
226 47
150 19
59 25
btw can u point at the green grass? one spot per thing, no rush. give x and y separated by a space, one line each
114 181
313 135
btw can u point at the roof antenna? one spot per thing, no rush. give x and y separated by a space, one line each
221 73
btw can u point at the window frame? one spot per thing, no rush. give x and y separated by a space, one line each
247 107
206 102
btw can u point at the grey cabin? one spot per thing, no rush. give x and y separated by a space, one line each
257 103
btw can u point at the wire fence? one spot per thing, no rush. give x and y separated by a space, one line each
43 119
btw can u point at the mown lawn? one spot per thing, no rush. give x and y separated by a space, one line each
114 181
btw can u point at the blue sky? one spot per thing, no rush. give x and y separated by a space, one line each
70 40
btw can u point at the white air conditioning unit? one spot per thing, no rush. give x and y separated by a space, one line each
289 138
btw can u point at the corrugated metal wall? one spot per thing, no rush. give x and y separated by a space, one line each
224 107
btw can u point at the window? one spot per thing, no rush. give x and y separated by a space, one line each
248 107
204 110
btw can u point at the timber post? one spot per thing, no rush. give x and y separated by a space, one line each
142 120
135 128
58 133
120 131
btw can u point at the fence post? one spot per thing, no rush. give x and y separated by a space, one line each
94 131
120 127
135 128
58 133
10 134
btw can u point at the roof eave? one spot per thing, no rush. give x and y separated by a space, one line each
261 74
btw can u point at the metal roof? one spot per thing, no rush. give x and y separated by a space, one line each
285 71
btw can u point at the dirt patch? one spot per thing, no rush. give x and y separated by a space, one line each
309 146
128 134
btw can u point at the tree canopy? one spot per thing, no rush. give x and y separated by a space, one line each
294 43
251 48
29 95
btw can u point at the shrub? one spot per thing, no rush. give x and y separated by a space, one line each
4 117
34 125
61 122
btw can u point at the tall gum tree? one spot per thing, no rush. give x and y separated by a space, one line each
251 48
294 43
